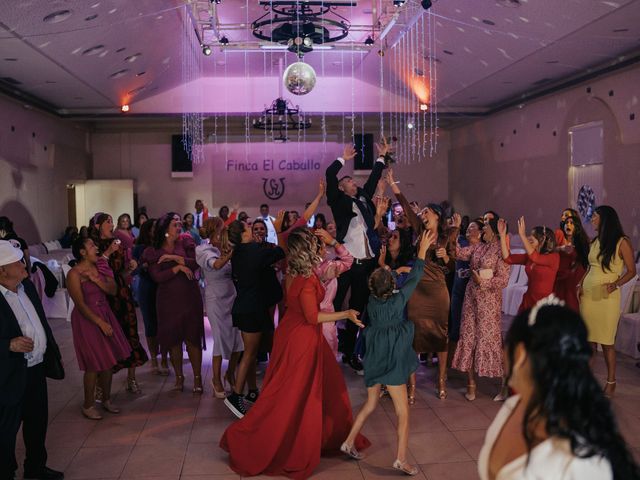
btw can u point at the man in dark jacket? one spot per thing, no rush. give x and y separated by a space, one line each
28 352
354 213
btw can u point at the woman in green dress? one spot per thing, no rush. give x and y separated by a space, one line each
390 358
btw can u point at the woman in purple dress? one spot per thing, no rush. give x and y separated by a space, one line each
172 265
97 337
117 257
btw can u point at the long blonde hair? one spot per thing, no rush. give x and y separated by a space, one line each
215 230
303 254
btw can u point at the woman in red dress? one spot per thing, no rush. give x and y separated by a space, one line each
574 253
540 260
303 409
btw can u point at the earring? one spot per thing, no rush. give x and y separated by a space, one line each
166 235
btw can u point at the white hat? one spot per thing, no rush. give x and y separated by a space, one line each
10 252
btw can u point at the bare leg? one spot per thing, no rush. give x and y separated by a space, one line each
152 345
195 358
451 352
610 360
373 394
89 382
442 374
216 366
399 396
594 351
248 361
233 364
471 385
104 379
175 354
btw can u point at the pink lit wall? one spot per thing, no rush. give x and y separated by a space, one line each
39 155
249 174
513 163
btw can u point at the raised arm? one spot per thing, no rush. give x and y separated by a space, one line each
313 206
504 247
413 218
378 167
331 175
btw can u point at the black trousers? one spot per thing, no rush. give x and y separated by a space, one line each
356 279
33 413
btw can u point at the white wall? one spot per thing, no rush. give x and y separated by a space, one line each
34 170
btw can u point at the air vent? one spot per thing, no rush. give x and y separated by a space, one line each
11 80
509 3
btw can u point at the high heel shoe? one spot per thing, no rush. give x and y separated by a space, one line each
218 393
132 386
110 407
197 385
471 392
350 451
502 395
441 391
405 468
411 393
609 389
179 386
91 413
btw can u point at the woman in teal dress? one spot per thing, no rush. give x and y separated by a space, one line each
390 358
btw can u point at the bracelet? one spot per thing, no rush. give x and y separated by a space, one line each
396 182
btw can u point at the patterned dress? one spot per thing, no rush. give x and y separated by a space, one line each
480 343
123 307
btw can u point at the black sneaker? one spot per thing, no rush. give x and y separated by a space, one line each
235 403
356 365
252 396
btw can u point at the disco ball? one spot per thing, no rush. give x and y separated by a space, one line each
299 78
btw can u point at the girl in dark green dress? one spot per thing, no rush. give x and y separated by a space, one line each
390 358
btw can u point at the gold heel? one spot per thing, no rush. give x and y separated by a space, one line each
179 386
609 389
441 391
411 393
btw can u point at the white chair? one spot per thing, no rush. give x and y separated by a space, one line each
628 334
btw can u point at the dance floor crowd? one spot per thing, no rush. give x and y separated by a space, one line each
382 286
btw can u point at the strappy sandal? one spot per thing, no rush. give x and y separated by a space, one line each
405 468
471 392
350 451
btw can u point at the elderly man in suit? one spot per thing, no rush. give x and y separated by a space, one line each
354 212
28 354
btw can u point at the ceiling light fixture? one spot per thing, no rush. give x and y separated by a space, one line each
57 17
281 117
224 40
369 41
426 4
124 108
424 107
206 50
398 3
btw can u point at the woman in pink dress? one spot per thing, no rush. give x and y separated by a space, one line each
479 349
97 337
336 260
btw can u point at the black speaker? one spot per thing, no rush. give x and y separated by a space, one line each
364 151
181 165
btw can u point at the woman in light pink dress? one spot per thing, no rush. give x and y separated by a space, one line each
480 346
337 260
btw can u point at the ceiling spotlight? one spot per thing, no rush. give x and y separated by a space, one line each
424 107
224 41
124 108
426 4
410 125
206 50
369 41
398 3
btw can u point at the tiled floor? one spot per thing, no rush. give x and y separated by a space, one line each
165 435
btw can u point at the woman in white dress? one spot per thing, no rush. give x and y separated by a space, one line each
213 257
559 425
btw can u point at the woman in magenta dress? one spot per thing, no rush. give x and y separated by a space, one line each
97 337
172 265
540 260
303 409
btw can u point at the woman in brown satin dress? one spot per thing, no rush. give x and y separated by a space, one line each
428 307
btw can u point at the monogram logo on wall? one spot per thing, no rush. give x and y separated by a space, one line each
272 188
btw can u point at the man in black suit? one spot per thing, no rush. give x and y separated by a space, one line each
354 213
28 353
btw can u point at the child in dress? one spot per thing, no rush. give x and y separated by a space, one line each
390 358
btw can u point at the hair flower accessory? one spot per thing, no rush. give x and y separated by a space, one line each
549 301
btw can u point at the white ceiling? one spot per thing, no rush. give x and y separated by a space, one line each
488 52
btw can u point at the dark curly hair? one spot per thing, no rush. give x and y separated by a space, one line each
609 233
580 239
565 393
162 225
382 283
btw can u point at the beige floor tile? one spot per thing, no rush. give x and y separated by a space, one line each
471 440
466 417
206 459
154 460
100 462
451 471
167 430
437 447
208 430
114 430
